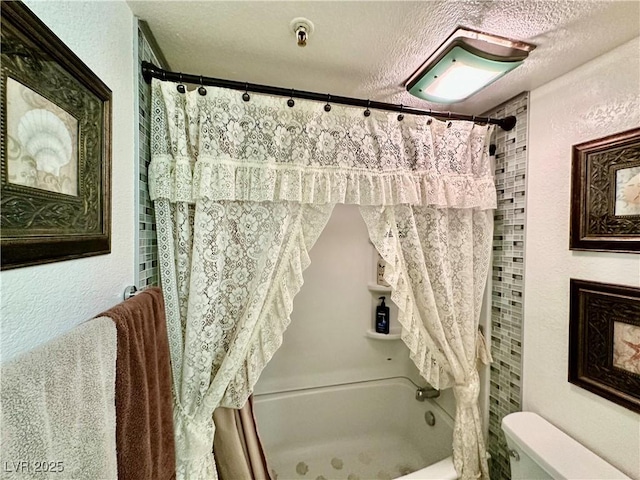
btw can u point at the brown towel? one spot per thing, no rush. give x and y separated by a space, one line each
144 403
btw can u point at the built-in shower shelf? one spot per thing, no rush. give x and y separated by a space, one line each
374 287
382 336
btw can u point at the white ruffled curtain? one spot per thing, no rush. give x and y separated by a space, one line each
242 192
437 265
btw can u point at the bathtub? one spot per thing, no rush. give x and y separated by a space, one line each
359 431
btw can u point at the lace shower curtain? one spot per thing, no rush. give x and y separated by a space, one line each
437 265
243 190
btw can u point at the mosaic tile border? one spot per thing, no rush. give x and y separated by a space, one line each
505 394
147 240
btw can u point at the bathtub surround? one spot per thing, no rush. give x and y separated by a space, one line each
583 105
326 342
507 277
236 264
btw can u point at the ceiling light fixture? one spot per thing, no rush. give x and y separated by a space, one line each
465 63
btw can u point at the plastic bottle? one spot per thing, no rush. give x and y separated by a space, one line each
382 318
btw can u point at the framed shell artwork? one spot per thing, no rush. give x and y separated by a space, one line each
56 148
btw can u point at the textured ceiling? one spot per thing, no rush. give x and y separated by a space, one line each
368 49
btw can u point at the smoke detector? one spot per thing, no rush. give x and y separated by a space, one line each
302 28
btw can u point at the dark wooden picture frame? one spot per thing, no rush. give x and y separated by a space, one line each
55 175
601 219
604 341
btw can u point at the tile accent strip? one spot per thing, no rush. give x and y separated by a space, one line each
508 279
148 245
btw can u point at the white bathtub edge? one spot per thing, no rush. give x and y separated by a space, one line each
402 382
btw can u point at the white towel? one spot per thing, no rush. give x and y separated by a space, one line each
58 407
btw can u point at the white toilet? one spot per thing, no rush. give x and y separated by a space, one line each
539 450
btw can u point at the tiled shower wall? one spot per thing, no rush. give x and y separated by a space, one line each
508 279
147 242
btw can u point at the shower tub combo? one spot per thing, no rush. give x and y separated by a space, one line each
359 431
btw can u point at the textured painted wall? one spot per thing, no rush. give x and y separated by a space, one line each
507 282
597 99
42 302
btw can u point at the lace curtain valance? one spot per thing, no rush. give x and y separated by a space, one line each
222 148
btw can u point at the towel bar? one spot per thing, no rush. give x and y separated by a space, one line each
130 291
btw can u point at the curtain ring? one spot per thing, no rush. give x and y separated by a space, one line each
245 96
290 102
430 120
401 116
367 112
327 107
164 75
181 88
201 90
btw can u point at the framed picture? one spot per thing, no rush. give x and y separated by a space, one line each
55 173
605 194
604 341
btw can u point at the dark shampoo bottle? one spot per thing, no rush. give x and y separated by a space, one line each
382 317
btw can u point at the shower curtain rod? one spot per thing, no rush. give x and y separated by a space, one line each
150 71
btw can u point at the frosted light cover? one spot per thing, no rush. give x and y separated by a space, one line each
458 75
460 81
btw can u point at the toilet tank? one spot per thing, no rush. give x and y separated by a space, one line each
541 451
